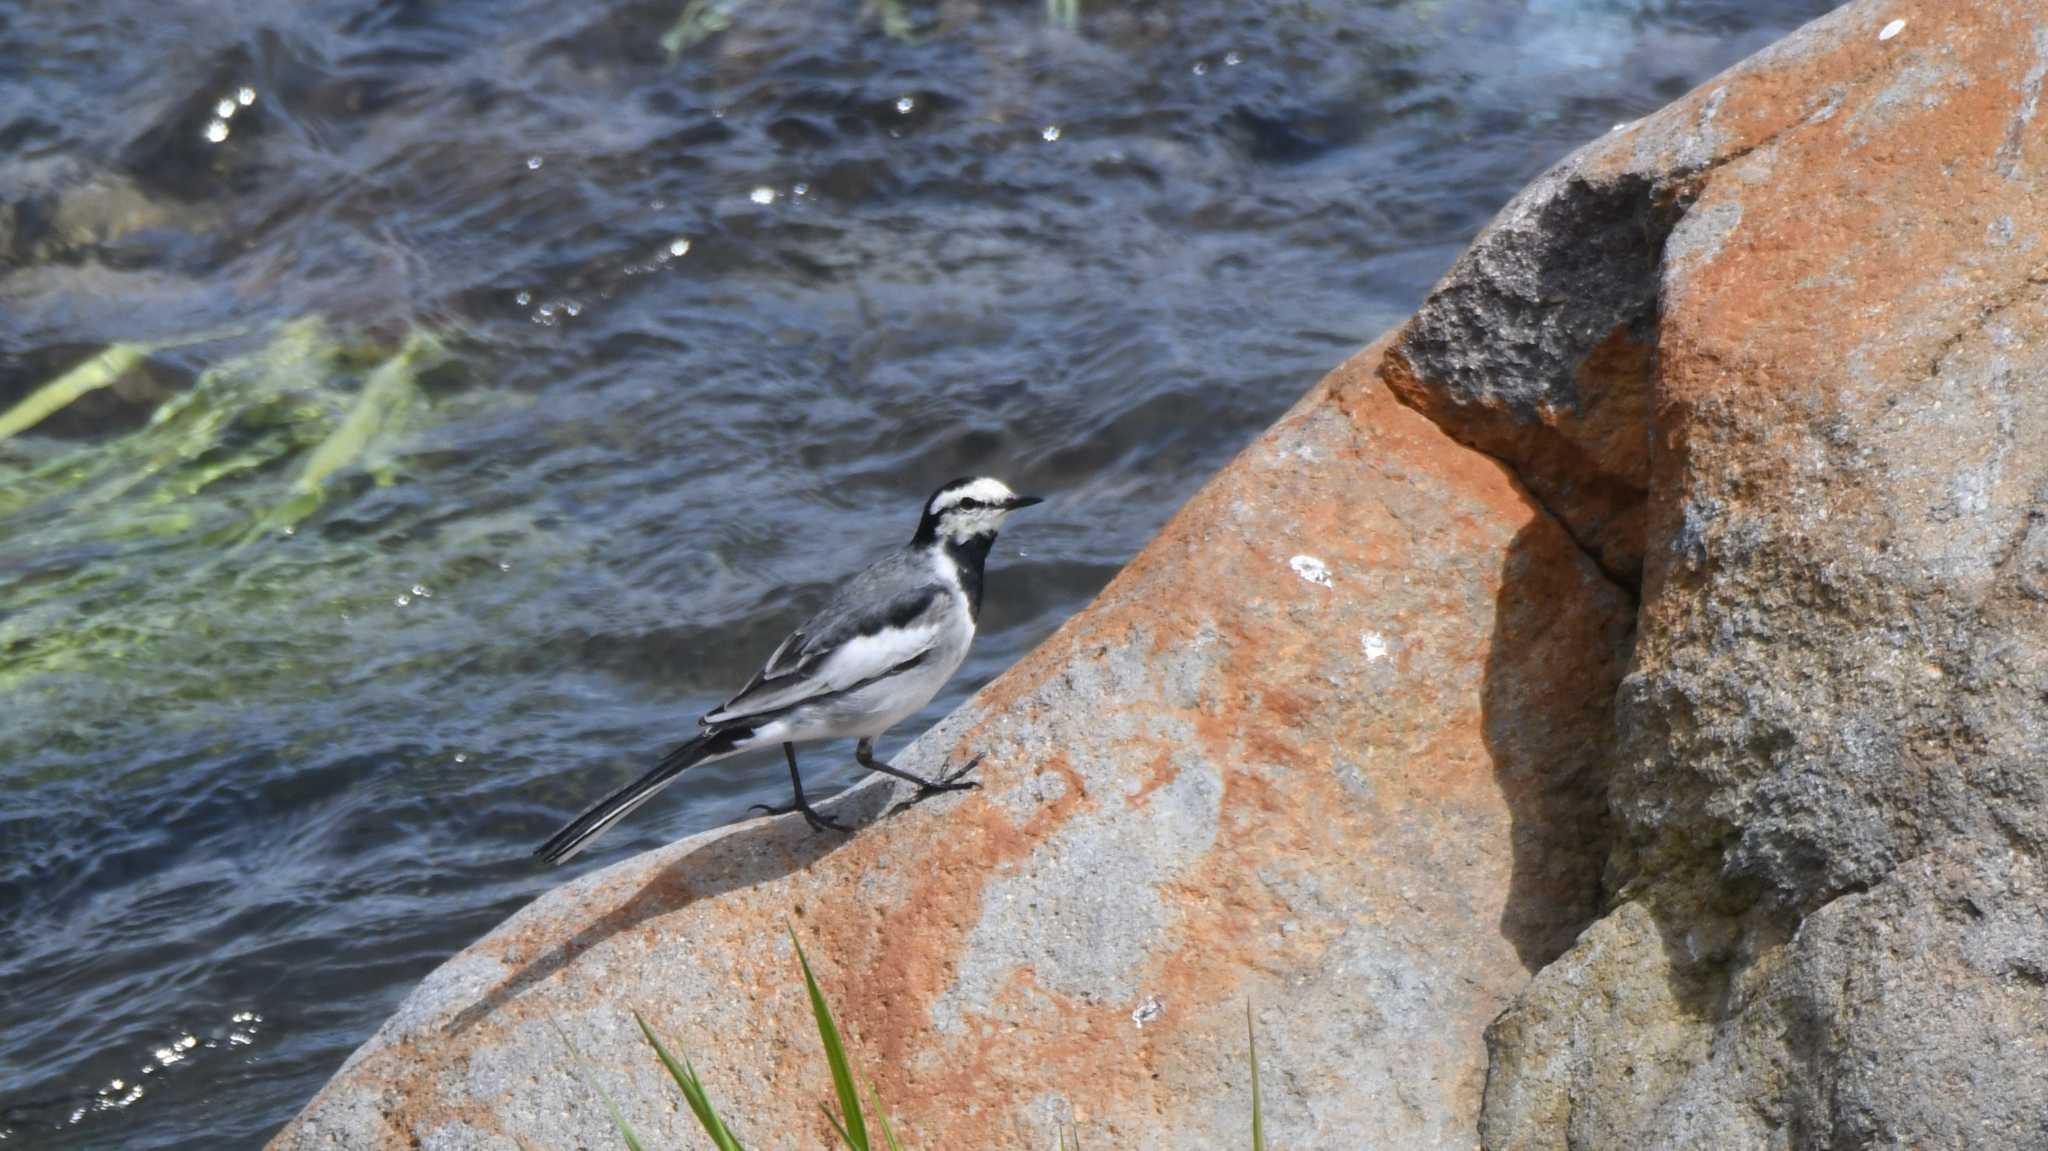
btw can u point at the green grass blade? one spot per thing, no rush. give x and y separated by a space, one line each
584 1071
693 1091
881 1116
1258 1117
855 1131
836 1125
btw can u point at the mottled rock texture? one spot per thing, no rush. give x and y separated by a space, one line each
1780 352
1332 745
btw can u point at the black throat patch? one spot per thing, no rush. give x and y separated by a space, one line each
968 556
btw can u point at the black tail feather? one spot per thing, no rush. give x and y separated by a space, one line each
579 831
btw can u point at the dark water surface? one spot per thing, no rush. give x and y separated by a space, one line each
714 322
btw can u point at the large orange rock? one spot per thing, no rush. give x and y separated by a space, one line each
1781 352
1331 746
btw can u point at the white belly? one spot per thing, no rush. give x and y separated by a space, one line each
869 711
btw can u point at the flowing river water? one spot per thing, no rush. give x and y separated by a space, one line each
498 380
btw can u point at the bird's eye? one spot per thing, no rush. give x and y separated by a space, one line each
968 502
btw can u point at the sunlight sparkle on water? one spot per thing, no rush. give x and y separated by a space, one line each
905 103
225 108
245 96
533 163
120 1092
1051 133
217 131
680 246
762 195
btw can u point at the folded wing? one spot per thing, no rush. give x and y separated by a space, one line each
839 649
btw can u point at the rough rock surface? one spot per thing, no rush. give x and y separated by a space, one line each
1781 349
1332 745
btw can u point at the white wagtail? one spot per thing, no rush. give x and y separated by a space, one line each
884 645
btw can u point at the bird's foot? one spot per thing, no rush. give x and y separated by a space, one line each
951 781
818 820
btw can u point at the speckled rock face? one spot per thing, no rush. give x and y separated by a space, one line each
1331 746
1780 351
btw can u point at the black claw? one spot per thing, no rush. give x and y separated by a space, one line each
948 782
818 820
952 782
824 822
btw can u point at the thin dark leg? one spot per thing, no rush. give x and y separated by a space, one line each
818 820
864 754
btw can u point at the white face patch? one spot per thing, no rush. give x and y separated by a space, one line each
962 524
979 516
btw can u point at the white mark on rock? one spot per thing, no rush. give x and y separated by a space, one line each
1375 646
2010 152
1311 569
1892 29
1704 140
1147 1011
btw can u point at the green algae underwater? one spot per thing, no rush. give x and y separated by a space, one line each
248 452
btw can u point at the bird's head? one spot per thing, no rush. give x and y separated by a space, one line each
966 510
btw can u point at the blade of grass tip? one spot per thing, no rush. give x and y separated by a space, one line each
693 1091
844 1137
1258 1119
584 1072
881 1116
855 1131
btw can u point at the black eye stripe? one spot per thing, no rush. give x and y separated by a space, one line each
968 502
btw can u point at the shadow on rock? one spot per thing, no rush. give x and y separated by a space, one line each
760 851
1561 639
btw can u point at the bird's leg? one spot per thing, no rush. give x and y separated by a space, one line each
818 820
864 754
